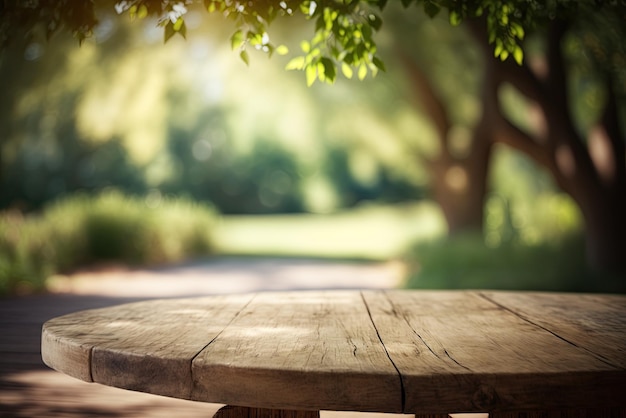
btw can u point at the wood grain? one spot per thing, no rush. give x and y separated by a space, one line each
459 352
300 350
144 346
428 353
595 323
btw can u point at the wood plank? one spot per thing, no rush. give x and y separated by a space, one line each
245 412
144 346
458 352
67 341
300 350
596 323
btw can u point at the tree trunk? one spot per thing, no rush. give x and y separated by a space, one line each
458 184
597 185
605 224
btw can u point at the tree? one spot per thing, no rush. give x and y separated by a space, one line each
590 166
458 179
587 162
343 35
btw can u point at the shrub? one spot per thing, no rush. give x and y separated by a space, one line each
465 262
110 227
26 258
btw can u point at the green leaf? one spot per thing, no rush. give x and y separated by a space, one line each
314 53
182 30
179 24
311 74
132 13
305 46
379 64
168 32
282 50
455 18
320 72
320 24
330 73
254 38
244 57
142 12
431 9
296 63
346 70
518 55
498 49
518 30
375 21
362 72
236 41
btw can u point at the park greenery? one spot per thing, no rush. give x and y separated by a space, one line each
109 228
512 122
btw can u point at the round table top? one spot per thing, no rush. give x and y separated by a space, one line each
381 351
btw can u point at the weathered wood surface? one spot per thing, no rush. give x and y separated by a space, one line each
300 351
424 352
143 346
460 352
595 323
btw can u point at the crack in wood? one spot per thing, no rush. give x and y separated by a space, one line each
455 361
530 321
422 339
404 317
90 362
369 313
193 358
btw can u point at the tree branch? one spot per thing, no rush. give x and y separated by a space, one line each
524 80
610 123
557 75
428 98
509 134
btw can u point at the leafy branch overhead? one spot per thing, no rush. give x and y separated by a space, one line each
344 30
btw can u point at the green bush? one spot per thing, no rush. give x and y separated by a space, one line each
111 227
26 259
465 262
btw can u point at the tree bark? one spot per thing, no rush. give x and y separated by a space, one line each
458 184
599 192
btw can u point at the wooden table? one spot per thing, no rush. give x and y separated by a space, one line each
291 354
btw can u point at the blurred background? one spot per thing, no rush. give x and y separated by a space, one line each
131 168
128 150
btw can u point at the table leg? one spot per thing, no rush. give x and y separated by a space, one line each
432 415
229 411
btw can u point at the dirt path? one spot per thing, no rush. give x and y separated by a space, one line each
29 389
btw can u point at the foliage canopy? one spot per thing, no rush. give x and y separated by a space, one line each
344 30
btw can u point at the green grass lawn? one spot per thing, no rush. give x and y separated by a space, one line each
414 234
368 232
